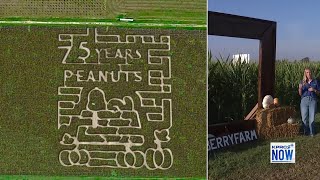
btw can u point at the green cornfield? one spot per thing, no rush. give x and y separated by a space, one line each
232 88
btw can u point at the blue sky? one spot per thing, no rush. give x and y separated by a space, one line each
298 27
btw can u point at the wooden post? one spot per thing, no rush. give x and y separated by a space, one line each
267 57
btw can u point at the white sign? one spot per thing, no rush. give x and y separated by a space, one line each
230 139
245 58
282 152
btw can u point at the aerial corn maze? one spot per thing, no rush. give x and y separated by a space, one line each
84 94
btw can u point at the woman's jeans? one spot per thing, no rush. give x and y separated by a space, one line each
308 107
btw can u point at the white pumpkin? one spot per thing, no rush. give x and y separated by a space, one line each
267 101
291 120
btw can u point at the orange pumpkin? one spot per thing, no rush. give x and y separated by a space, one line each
276 102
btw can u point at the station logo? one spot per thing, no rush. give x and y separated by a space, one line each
282 152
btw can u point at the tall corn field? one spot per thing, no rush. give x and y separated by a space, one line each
233 88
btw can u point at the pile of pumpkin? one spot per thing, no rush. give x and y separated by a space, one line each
274 121
269 102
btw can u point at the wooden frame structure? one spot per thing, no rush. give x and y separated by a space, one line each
222 24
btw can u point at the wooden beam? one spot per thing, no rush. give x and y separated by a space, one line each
221 24
252 113
267 55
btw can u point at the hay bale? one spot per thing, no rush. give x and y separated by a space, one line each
284 130
274 117
272 123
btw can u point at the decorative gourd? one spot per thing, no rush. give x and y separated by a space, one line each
291 120
276 102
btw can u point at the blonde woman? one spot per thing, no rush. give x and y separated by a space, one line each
308 90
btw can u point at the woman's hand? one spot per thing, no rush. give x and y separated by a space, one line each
300 89
311 89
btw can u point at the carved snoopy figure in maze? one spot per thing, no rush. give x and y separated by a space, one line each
116 112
